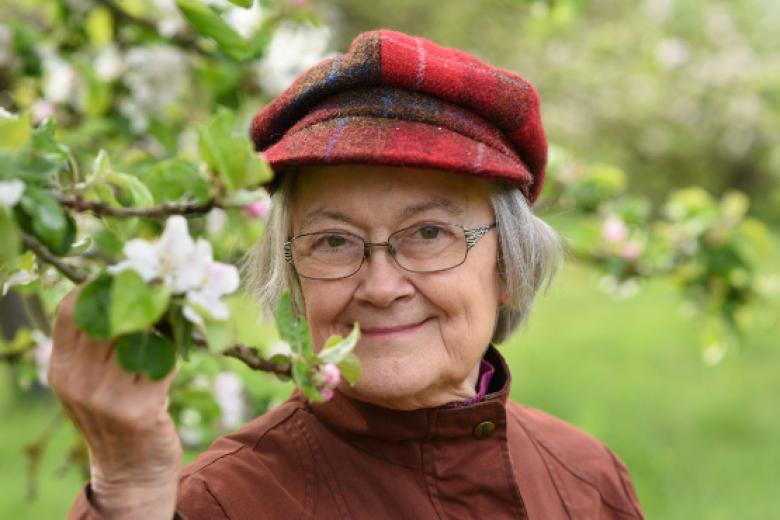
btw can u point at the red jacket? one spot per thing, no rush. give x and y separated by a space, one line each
346 459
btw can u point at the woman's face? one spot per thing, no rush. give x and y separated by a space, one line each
422 334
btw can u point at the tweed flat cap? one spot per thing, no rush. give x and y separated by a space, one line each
397 100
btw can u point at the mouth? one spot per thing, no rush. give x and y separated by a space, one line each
387 332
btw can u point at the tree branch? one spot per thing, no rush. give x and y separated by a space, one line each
47 256
251 357
163 210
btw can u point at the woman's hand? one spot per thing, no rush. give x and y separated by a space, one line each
135 452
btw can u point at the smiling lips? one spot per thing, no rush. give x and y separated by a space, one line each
391 331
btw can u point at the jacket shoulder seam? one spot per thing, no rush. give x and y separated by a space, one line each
216 500
243 446
552 452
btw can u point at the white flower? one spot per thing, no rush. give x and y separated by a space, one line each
293 49
18 278
186 266
156 77
216 220
220 279
614 229
190 427
672 52
42 109
62 83
229 396
246 22
169 19
109 64
10 192
43 347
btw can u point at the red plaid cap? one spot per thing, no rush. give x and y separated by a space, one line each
397 100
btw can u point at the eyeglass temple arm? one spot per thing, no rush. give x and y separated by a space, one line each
473 235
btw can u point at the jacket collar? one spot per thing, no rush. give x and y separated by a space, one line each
396 435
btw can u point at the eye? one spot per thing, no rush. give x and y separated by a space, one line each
429 231
335 240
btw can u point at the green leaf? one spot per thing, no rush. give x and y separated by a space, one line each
246 4
93 306
12 241
146 353
15 130
100 168
337 348
350 368
220 334
293 329
246 316
182 332
133 186
301 372
230 156
136 305
39 213
208 23
100 26
175 179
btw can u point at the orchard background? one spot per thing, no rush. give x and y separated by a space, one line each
123 138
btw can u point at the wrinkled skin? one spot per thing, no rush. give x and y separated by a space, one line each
436 362
135 452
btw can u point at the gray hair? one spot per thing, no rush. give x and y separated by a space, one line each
530 254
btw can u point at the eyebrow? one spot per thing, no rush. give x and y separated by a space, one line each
409 211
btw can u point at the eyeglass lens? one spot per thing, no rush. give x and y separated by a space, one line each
421 248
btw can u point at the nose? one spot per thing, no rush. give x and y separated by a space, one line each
381 280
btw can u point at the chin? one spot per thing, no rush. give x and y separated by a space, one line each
393 383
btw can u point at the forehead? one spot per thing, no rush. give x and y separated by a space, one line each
371 192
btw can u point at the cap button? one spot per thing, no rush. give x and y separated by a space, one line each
484 429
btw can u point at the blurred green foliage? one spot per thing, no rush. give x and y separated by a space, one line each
674 92
663 115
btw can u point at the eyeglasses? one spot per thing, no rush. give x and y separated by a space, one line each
426 247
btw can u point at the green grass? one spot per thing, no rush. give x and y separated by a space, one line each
700 442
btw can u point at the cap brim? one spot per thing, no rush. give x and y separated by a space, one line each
394 142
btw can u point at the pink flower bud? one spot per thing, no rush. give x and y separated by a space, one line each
257 209
630 251
330 375
327 393
614 229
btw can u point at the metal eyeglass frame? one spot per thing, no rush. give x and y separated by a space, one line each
472 236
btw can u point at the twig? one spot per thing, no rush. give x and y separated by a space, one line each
163 210
251 357
35 451
47 256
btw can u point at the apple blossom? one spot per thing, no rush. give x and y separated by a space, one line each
630 251
228 391
109 63
186 266
293 48
327 393
614 229
258 209
330 374
42 354
10 192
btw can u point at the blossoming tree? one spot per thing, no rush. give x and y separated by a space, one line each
125 168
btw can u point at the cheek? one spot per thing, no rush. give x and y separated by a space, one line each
469 302
323 303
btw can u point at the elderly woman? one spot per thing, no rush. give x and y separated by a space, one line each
406 173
